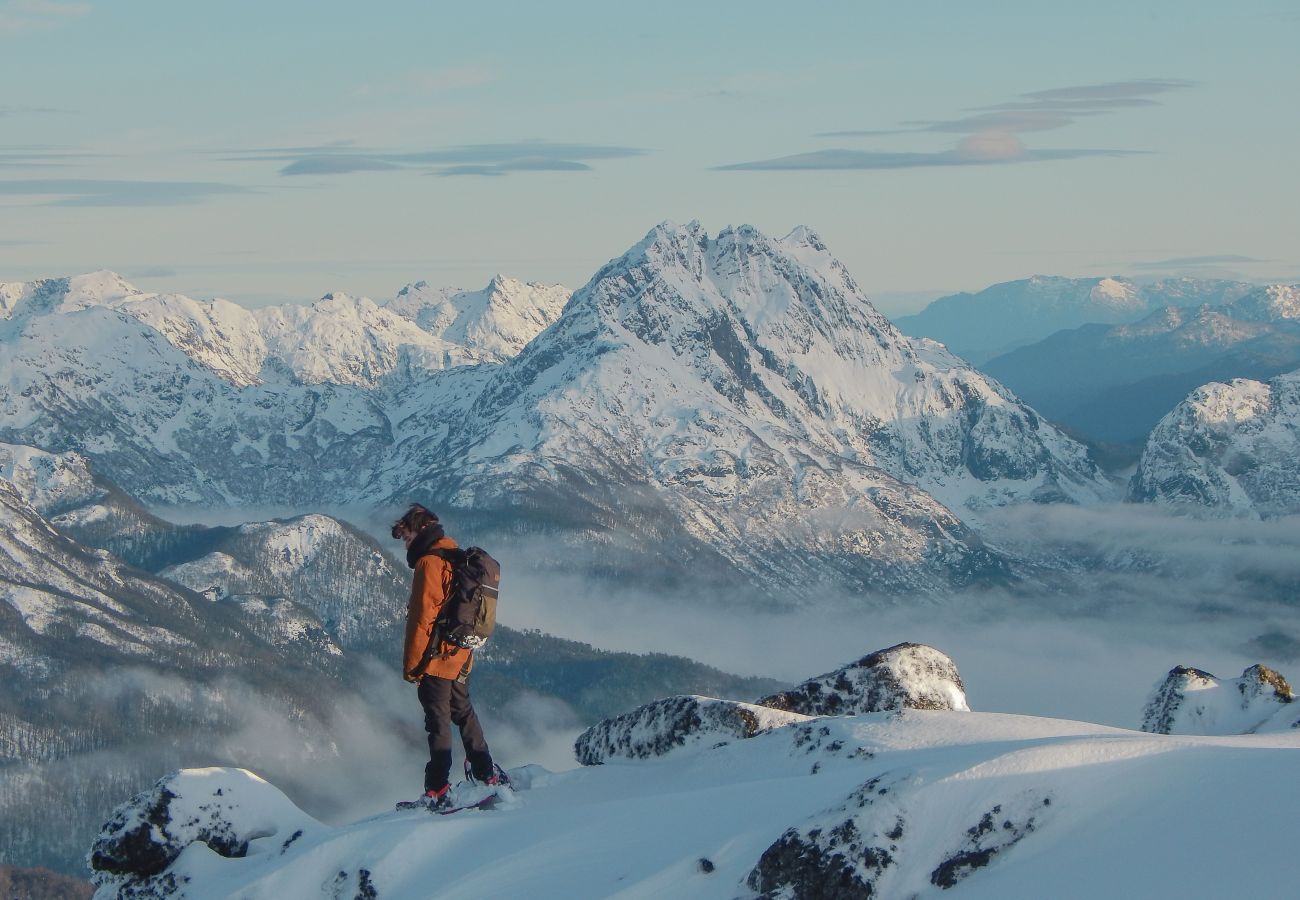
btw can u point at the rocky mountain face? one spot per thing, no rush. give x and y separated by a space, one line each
699 393
1228 449
729 387
998 319
1113 383
1190 701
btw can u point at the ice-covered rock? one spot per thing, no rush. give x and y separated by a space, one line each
1190 701
232 812
907 675
673 723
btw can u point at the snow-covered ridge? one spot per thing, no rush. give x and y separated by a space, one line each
337 340
490 325
909 804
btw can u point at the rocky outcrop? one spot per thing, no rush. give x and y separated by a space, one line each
228 810
673 723
1191 701
861 847
907 675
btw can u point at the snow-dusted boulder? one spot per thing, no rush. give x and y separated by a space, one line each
230 811
663 726
907 675
1190 701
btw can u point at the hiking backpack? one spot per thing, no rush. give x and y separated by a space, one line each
469 614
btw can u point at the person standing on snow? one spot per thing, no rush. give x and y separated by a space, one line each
443 675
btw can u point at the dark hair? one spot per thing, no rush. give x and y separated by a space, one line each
417 518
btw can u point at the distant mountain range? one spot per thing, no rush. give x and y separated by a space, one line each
1113 383
989 323
730 403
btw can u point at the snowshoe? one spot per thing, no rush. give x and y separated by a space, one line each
434 801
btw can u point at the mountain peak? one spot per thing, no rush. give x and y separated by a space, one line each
100 288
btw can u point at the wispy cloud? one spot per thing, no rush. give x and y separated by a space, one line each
42 156
991 132
28 110
1190 262
466 159
21 16
110 192
978 152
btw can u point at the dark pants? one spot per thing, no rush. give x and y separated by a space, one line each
445 703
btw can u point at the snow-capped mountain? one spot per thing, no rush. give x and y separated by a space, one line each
490 325
1228 448
1000 318
908 803
709 392
728 386
340 339
1114 383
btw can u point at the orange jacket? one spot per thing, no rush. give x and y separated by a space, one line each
428 592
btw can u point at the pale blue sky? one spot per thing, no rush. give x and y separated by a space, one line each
275 151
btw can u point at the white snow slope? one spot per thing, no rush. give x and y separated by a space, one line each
989 805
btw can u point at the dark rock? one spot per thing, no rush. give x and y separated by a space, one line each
674 722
